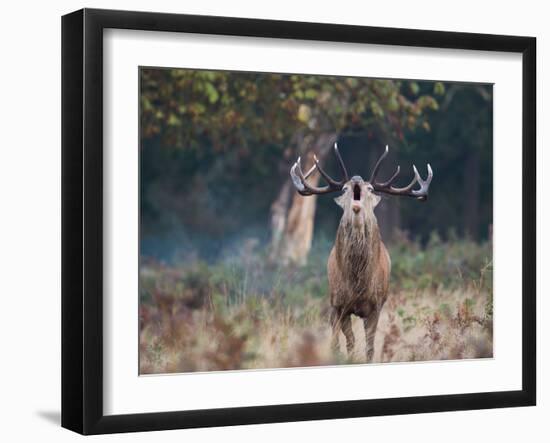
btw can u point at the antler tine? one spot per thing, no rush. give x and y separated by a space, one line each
386 187
422 193
300 182
341 163
392 178
377 165
409 186
296 179
327 177
311 171
299 179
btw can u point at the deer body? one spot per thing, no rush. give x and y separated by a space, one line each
359 264
358 268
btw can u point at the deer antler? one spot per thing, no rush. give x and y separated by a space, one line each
386 187
299 179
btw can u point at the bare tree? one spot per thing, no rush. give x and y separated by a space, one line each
292 217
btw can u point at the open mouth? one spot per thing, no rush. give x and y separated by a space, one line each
357 192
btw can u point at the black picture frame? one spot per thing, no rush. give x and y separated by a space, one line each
82 220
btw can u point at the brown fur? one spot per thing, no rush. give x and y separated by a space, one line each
358 268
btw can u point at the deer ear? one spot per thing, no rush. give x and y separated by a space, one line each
340 200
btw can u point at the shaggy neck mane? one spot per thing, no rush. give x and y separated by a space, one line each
357 246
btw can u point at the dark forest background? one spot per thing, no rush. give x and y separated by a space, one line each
216 149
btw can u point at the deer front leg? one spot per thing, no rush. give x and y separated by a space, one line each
339 321
348 333
370 323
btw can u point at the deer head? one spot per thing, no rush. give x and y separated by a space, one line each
359 196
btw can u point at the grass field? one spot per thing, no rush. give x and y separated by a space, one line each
244 313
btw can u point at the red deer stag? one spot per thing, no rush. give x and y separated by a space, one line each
359 263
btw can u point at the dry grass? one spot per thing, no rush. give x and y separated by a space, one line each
203 318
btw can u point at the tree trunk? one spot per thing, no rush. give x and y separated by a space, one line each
292 215
279 212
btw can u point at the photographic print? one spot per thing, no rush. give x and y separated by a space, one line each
250 204
297 220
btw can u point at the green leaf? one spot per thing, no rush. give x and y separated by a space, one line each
376 109
439 88
393 104
173 120
310 94
304 113
211 92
